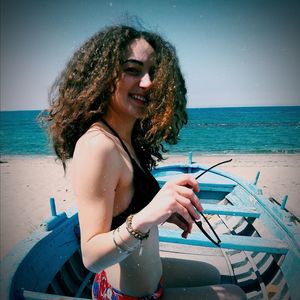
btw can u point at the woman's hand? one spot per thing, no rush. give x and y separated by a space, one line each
175 202
181 223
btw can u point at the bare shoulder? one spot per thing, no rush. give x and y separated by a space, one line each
96 141
96 154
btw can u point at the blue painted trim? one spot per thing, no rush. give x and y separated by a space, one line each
51 223
190 158
52 207
230 210
256 178
284 201
235 242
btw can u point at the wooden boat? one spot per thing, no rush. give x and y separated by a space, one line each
259 249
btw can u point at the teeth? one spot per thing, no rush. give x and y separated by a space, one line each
138 97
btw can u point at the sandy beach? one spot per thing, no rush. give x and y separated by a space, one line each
28 182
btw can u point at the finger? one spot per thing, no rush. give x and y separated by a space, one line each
185 209
188 193
181 223
187 204
184 234
190 226
187 180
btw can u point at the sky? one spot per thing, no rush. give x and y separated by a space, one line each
231 53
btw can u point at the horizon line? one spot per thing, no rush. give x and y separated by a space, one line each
198 107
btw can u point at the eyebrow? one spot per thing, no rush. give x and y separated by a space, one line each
134 61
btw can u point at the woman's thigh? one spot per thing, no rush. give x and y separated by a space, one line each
188 273
214 292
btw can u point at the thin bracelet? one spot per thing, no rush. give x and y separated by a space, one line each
134 232
119 247
125 244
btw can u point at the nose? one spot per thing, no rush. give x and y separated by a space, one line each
145 81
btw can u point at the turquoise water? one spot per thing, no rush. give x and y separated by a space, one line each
209 131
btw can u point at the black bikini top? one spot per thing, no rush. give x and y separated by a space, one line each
145 187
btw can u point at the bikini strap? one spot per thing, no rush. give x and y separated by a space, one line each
117 135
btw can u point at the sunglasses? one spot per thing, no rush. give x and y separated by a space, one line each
216 240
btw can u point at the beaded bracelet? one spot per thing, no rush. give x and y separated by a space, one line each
136 233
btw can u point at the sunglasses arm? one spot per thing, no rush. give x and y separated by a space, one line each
199 224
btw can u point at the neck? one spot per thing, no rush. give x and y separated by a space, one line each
123 126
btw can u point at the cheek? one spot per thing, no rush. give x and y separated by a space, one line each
124 86
121 92
127 82
119 89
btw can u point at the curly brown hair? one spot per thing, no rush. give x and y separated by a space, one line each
82 92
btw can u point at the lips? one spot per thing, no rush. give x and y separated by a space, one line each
139 98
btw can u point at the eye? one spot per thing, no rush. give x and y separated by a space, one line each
132 71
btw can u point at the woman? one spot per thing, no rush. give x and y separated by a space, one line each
120 97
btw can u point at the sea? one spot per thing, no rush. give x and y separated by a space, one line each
241 130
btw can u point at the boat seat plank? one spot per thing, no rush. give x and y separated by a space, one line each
235 200
230 210
235 242
29 295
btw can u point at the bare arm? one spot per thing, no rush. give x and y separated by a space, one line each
96 173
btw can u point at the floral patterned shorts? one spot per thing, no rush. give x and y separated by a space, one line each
102 290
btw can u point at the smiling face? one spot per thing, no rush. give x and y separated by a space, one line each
129 99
